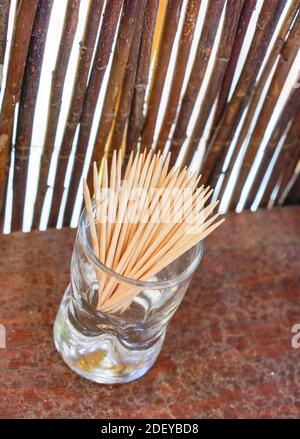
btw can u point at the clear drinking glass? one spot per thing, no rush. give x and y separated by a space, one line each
117 347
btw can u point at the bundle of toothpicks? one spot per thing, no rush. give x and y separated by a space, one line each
143 221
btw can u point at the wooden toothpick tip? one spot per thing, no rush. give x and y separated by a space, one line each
141 249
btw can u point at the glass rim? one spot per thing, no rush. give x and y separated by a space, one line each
172 281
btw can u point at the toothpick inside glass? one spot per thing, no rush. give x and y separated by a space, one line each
132 262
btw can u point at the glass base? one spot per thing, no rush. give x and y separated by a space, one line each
102 358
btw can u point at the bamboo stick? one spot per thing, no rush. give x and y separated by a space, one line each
123 111
216 151
4 13
20 41
30 87
231 21
209 30
57 84
288 55
163 57
104 46
128 83
289 175
289 154
184 48
293 195
127 29
286 117
136 118
256 97
246 14
76 105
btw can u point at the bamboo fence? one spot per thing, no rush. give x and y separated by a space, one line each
145 63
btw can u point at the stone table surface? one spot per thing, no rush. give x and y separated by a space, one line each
228 350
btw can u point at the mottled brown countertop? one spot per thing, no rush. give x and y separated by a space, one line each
227 352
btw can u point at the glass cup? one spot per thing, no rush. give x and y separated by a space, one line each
117 347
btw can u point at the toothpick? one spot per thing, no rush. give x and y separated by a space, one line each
89 210
128 236
130 292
